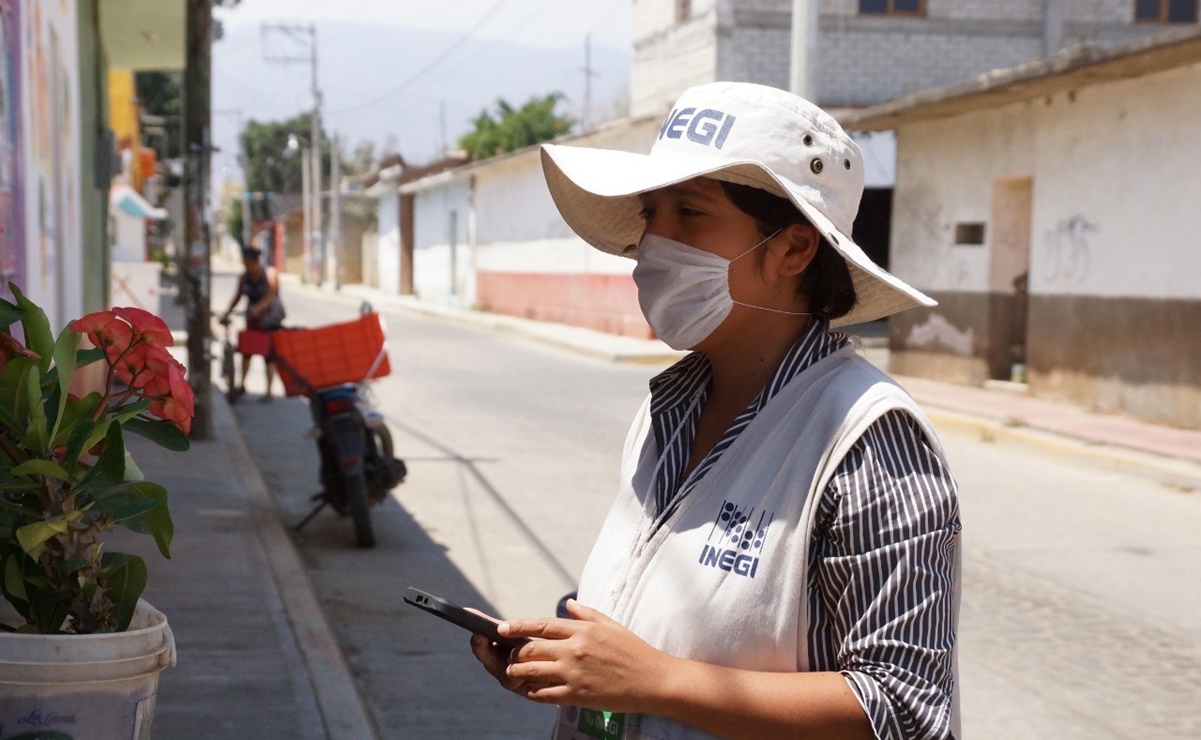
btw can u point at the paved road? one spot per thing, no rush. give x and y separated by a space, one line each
1080 612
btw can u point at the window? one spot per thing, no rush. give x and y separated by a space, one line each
969 234
892 7
1165 11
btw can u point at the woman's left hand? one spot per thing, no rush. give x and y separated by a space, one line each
589 661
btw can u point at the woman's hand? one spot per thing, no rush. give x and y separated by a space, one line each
589 661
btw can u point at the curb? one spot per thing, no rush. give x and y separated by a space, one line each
1174 473
342 709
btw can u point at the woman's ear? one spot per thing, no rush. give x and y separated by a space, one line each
801 242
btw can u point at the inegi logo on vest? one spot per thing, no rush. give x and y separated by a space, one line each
736 538
706 127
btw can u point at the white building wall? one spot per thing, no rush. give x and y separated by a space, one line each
1116 190
945 171
441 250
389 243
518 227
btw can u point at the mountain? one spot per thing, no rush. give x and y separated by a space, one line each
361 64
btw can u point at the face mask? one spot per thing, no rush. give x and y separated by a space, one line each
684 292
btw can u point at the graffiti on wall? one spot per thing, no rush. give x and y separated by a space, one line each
1067 249
12 204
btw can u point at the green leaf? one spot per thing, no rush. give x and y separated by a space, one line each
130 500
80 431
10 314
74 412
33 537
64 368
163 433
132 472
38 336
130 410
14 578
126 576
155 521
37 435
85 357
48 468
11 378
110 467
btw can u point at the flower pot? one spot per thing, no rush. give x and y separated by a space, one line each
84 687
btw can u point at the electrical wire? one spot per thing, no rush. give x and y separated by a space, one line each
429 65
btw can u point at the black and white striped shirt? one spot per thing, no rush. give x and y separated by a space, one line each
881 572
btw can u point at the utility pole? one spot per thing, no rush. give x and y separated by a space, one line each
586 115
803 70
335 213
195 272
297 32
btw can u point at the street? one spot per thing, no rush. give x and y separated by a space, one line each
1077 618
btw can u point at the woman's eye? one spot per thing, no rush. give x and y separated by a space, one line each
689 212
646 214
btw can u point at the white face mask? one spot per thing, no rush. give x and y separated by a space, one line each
684 292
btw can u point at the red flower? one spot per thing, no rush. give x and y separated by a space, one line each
178 405
146 325
107 332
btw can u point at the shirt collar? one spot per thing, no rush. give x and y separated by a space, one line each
679 384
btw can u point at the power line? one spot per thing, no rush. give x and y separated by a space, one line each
430 65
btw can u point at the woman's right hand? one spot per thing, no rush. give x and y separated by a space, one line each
495 659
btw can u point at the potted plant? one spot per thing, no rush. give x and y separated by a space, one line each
80 652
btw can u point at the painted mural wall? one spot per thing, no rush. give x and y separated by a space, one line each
49 157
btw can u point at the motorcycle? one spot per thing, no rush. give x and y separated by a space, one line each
358 467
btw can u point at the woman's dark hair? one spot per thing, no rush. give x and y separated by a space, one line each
251 253
826 283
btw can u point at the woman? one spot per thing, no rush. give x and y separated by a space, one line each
782 558
265 312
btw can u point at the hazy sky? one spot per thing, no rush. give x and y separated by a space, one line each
540 22
417 90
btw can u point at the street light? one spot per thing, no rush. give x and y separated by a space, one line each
310 160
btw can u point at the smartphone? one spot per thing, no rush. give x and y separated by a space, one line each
456 614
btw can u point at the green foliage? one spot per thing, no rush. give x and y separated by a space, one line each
510 129
233 220
66 477
268 163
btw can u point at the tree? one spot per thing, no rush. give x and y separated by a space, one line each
268 163
511 129
160 95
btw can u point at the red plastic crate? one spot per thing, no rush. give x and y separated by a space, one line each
332 355
254 342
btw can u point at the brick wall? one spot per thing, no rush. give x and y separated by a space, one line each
862 59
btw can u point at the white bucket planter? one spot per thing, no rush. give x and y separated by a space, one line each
84 687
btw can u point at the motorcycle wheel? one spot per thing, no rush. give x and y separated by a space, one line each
356 494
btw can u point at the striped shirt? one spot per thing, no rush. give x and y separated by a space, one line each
880 608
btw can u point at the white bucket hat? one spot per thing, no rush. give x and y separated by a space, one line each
741 133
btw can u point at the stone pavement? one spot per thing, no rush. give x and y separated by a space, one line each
256 655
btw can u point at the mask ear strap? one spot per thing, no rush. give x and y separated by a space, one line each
772 310
765 241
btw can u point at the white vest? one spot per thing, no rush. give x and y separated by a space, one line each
724 579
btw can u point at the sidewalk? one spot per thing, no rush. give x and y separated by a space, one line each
256 655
